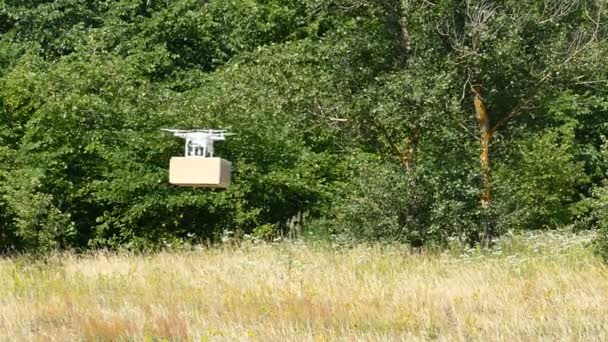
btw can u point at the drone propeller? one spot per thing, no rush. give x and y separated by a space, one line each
202 130
177 130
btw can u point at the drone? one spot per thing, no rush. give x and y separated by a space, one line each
199 142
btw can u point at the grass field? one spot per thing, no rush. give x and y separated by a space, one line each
534 287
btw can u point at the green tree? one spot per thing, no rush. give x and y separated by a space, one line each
323 95
509 60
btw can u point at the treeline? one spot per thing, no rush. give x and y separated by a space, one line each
396 120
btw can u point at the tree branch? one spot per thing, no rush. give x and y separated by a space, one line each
391 143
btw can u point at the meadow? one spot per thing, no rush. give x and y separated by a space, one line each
530 287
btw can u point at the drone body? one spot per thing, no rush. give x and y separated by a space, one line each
198 167
199 143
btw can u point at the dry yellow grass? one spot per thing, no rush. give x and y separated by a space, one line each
534 288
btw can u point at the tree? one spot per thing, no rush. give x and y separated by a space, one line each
476 112
511 58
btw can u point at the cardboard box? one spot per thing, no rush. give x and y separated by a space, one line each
199 172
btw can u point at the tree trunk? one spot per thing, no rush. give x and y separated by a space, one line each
405 41
409 156
483 119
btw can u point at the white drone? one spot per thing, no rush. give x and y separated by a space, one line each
199 142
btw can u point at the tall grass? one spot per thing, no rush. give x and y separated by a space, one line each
536 287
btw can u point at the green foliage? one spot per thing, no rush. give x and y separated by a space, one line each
542 192
264 232
356 112
382 203
599 211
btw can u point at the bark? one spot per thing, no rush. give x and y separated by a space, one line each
405 41
486 132
409 156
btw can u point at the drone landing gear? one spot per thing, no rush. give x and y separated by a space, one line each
194 150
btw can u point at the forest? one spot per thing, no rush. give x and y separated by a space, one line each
412 121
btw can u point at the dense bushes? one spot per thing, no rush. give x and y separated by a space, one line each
359 113
544 191
381 202
599 211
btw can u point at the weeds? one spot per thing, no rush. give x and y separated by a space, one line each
530 287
